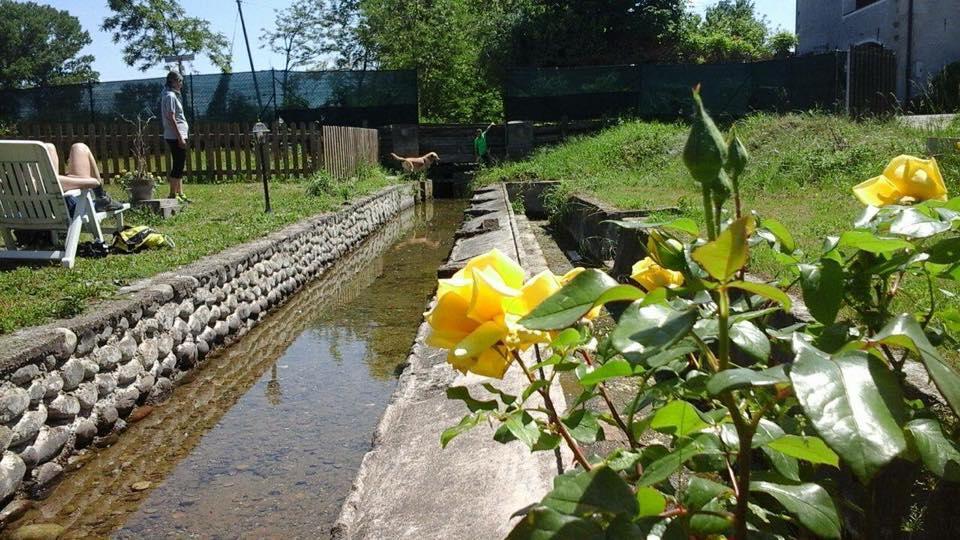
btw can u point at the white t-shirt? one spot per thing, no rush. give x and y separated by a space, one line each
170 102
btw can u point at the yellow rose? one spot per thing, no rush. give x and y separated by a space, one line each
651 275
477 312
906 179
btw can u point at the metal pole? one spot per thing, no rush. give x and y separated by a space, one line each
93 117
263 177
256 85
273 80
193 104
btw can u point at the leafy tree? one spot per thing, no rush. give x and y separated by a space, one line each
309 34
41 47
152 29
444 41
733 31
783 44
592 32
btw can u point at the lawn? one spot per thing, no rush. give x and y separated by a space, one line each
220 216
801 171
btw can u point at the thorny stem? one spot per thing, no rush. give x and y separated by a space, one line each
554 417
933 303
708 211
723 318
746 427
613 409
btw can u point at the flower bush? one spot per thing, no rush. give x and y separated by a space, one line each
783 425
129 179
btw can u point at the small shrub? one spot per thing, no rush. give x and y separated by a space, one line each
321 184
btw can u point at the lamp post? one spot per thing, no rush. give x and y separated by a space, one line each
259 131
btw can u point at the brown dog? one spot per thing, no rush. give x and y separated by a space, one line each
417 164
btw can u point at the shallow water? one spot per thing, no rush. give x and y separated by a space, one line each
264 442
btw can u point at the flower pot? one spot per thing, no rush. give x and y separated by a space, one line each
141 192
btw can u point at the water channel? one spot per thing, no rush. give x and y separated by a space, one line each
264 441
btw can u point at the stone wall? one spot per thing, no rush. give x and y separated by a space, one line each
73 383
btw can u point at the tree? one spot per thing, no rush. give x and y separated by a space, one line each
732 31
783 44
152 29
593 32
314 33
41 47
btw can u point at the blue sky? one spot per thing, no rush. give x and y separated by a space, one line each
222 15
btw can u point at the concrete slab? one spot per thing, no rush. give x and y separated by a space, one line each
410 488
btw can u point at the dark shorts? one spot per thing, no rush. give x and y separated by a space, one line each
179 158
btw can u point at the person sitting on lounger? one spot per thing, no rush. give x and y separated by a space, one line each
82 173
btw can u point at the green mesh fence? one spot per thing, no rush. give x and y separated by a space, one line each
353 98
663 90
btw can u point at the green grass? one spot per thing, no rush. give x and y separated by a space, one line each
220 216
801 171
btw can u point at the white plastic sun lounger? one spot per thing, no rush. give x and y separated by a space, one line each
31 198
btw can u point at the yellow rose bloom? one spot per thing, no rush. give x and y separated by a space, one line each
478 309
906 179
651 275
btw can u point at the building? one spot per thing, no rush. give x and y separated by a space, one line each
920 32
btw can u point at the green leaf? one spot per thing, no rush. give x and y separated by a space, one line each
905 331
937 452
463 394
599 490
535 386
945 251
566 339
781 233
750 340
547 524
467 423
644 331
506 398
685 225
547 441
723 257
869 242
741 377
705 495
618 367
583 426
853 401
766 432
822 286
661 468
620 293
522 426
570 303
766 291
678 418
915 224
650 502
809 503
811 449
783 464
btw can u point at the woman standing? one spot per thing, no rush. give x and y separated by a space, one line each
175 131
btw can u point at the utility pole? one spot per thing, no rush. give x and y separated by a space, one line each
253 72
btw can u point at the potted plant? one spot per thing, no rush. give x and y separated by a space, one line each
139 183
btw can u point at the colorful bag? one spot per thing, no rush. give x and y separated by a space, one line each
134 239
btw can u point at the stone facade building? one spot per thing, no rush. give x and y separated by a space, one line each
922 33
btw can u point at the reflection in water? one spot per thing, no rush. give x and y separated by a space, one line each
274 394
265 441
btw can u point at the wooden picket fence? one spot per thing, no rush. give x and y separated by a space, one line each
220 152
